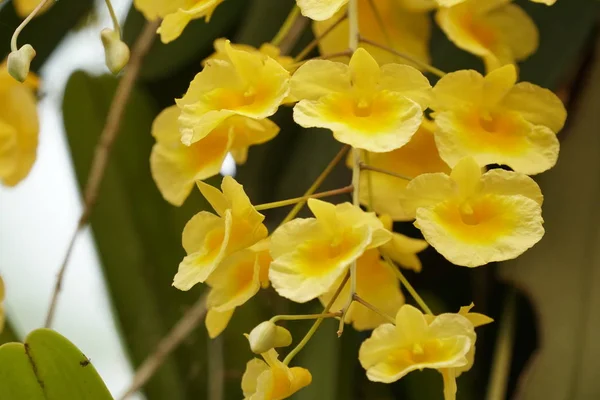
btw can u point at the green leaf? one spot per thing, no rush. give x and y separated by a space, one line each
137 233
45 32
50 367
197 40
561 274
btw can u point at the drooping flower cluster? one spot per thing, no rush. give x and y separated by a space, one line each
419 153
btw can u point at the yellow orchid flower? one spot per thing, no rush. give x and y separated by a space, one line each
495 30
1 305
176 14
497 121
473 218
25 7
208 238
19 127
418 156
403 30
271 379
249 84
402 249
311 254
176 167
235 281
377 284
320 10
415 343
369 107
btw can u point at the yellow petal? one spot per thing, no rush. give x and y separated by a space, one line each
217 321
215 197
408 81
507 183
320 10
153 9
248 132
403 249
467 175
352 215
285 238
458 90
317 78
537 105
476 319
172 26
235 281
499 228
254 368
497 84
503 137
205 239
364 71
386 123
25 7
427 190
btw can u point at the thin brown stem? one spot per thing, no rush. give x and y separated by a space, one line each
174 338
371 307
289 202
367 167
216 370
420 64
104 147
318 182
315 42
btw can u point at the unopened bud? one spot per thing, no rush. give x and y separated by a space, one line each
115 50
19 62
267 335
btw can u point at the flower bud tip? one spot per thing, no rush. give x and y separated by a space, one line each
19 62
115 50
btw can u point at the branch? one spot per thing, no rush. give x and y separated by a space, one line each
178 333
104 147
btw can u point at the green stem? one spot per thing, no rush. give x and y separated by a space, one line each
303 317
407 285
316 324
287 26
113 16
15 36
371 307
289 202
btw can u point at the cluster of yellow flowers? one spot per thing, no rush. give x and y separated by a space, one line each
408 164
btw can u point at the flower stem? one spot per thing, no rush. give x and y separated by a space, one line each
316 324
287 26
315 42
304 317
289 202
113 16
15 36
318 182
421 64
371 307
354 32
368 167
408 286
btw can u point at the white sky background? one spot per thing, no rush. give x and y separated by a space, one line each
38 217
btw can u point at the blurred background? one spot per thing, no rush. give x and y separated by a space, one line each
117 300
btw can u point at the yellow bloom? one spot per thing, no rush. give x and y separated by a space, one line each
404 31
311 254
235 281
272 380
208 238
473 219
402 249
499 32
266 49
497 121
248 84
25 7
416 343
176 14
377 284
19 127
1 305
418 156
175 167
320 10
368 107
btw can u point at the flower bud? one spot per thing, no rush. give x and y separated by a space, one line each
19 62
115 50
267 335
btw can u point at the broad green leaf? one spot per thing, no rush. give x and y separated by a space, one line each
48 367
195 42
45 32
137 233
561 274
17 379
